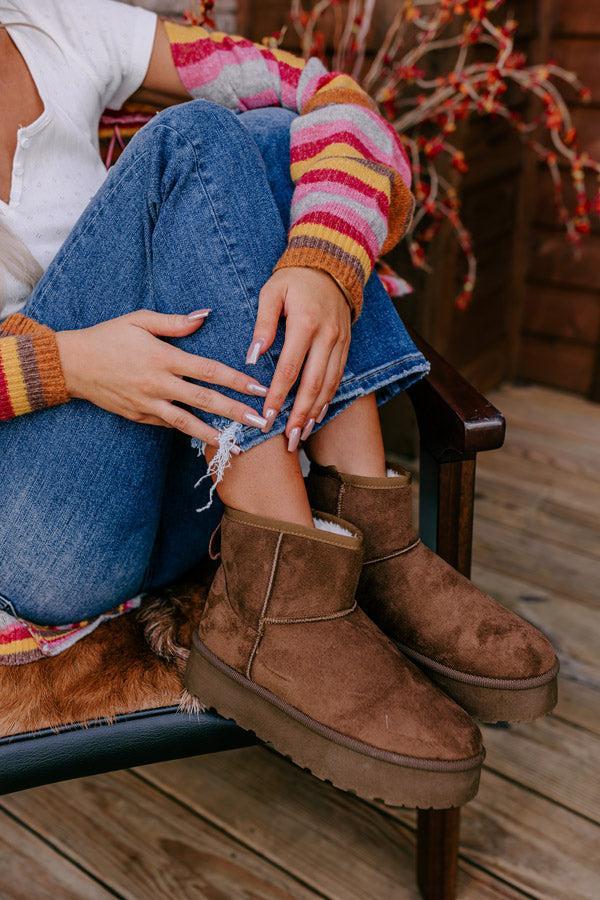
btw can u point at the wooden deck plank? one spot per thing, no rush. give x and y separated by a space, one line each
526 510
30 869
528 841
551 757
142 844
526 555
579 704
348 848
533 844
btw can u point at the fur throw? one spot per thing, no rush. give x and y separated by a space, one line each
129 663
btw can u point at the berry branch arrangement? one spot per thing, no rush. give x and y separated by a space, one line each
477 67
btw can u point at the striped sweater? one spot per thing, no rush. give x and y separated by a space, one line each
352 198
351 203
30 371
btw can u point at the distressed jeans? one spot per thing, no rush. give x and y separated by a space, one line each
96 508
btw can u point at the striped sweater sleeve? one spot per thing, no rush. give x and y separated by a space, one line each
352 199
31 376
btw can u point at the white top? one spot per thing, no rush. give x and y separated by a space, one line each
84 56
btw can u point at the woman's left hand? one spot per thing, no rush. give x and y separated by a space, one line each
317 339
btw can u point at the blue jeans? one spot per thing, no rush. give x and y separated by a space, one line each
96 508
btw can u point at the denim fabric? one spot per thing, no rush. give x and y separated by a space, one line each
96 508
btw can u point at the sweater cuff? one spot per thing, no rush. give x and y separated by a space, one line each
350 282
30 367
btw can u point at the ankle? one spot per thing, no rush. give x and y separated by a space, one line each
348 463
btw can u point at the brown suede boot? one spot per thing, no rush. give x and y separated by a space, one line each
283 649
492 662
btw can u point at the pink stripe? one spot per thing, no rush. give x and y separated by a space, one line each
259 101
330 173
309 149
345 128
13 633
312 86
337 189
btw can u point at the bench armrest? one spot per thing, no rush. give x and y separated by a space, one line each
455 421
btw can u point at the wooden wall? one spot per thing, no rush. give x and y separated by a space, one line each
561 310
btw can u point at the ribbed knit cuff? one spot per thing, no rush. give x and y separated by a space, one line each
31 375
314 258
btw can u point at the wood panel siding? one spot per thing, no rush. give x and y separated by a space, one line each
560 328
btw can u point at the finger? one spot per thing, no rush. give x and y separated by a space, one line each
179 362
331 383
212 402
184 421
169 324
311 383
289 364
270 305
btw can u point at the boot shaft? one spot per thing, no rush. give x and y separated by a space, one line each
380 507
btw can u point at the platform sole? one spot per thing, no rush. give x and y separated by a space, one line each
492 700
386 777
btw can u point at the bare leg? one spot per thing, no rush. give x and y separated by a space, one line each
352 442
267 480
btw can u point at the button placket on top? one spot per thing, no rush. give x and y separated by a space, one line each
23 143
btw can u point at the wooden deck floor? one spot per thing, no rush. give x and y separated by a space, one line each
246 824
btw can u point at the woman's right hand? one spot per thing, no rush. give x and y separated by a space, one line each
122 366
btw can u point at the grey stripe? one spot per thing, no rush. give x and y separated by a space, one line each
29 365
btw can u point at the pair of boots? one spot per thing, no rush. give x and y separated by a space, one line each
328 643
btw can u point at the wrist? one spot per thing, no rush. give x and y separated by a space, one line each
71 351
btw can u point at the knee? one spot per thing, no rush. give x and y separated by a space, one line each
195 119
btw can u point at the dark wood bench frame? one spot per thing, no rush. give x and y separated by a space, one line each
455 423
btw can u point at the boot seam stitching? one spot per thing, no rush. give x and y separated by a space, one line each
377 559
261 621
287 620
340 499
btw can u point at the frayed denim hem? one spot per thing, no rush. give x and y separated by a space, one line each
386 381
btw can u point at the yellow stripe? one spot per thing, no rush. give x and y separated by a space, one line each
18 647
185 34
296 62
349 165
343 241
17 389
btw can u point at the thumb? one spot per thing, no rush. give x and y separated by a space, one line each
169 324
270 305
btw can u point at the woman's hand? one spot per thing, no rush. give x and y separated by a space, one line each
123 367
317 339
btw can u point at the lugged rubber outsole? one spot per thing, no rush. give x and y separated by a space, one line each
349 765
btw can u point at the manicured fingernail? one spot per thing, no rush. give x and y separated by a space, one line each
236 450
270 414
199 314
307 429
253 419
322 414
254 352
259 389
294 439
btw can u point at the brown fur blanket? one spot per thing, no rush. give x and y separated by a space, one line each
129 663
